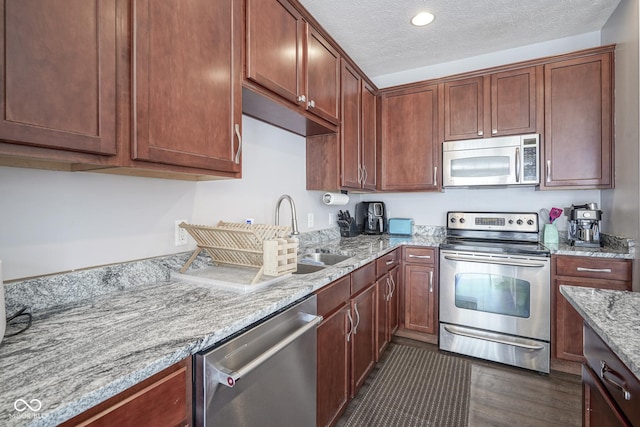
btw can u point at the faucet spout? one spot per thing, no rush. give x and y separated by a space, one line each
294 218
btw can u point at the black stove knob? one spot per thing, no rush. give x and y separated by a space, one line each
529 222
453 220
461 220
519 222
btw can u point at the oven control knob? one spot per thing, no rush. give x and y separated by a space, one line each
461 220
519 222
510 222
453 220
529 222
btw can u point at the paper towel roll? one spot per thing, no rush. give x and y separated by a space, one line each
335 199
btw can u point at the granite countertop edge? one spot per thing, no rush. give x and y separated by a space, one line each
614 316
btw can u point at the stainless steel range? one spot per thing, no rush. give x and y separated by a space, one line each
495 295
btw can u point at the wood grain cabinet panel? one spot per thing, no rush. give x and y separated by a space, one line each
350 130
420 290
516 101
58 69
409 146
165 399
578 137
363 336
464 109
323 76
187 83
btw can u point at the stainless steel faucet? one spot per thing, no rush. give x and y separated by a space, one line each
294 219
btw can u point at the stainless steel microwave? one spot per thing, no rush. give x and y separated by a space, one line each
499 161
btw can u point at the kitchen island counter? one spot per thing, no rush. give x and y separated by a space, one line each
614 316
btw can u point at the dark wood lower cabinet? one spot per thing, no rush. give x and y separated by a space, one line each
363 337
599 409
165 399
333 364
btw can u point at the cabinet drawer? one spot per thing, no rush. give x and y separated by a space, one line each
386 262
613 374
419 255
363 277
333 295
596 268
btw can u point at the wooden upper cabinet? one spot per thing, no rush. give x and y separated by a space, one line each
368 137
350 131
498 104
187 82
409 144
288 57
516 101
274 54
58 73
464 109
323 76
578 138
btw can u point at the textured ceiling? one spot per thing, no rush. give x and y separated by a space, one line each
377 34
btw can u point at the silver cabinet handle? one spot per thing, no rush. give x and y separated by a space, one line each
606 373
237 158
480 133
229 378
431 282
420 256
391 261
302 98
494 131
548 170
517 164
365 175
350 331
355 328
594 270
360 174
393 287
435 176
311 104
387 297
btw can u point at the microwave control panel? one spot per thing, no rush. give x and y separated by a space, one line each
530 160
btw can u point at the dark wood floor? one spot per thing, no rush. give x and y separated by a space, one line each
506 396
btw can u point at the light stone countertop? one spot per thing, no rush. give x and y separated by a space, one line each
98 332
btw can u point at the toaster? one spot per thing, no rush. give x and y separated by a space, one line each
402 226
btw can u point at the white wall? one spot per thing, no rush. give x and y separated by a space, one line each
623 203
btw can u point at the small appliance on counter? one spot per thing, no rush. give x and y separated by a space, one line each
371 217
400 226
584 225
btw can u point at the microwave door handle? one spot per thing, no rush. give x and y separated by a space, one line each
517 164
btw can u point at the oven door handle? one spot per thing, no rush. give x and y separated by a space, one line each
456 331
483 260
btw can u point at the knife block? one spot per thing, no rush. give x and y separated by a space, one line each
349 230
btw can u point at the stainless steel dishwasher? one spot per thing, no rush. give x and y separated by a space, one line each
265 376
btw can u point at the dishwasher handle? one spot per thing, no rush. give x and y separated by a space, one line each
229 378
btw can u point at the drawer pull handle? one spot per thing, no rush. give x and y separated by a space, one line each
606 372
594 270
420 256
431 282
391 261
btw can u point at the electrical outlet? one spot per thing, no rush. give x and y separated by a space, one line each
330 218
180 233
310 220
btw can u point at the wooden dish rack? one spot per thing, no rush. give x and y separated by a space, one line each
266 247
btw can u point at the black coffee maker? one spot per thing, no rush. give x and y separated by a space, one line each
371 217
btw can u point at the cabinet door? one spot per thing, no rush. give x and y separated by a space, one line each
333 367
274 47
464 109
420 299
323 77
382 336
599 408
59 74
516 101
350 129
187 83
363 338
394 300
578 123
409 142
368 137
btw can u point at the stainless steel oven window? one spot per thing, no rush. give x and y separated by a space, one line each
493 293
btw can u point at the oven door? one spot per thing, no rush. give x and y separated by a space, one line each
509 294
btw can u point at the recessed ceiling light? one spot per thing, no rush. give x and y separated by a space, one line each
422 19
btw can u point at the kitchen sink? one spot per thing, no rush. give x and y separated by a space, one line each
324 258
308 268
